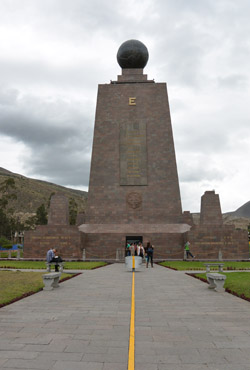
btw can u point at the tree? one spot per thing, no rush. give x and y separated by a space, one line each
41 215
5 242
7 221
30 223
7 190
5 224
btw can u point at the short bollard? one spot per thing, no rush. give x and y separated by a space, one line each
133 262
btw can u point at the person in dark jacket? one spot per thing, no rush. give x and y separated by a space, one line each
149 250
53 257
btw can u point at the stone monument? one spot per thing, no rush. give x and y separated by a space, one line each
134 191
57 234
59 210
213 240
133 188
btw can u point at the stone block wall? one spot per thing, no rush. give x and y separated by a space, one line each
105 245
188 218
66 239
208 240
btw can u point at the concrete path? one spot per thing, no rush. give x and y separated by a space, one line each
179 324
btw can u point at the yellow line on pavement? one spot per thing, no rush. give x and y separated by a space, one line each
131 351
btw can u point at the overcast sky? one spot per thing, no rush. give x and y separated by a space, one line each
54 53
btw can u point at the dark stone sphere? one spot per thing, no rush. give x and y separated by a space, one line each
132 54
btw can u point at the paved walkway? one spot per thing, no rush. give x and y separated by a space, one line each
179 324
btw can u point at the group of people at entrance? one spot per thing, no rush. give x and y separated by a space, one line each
137 249
133 249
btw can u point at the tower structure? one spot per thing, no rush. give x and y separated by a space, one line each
133 188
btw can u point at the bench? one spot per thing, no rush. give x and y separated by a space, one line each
51 280
216 281
60 264
219 265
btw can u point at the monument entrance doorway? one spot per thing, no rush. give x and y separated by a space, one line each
134 239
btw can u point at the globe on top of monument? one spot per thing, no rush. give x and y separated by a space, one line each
132 54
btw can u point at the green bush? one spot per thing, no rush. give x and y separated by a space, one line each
4 255
7 246
4 241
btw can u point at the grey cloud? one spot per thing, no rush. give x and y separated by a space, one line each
59 165
75 20
8 96
200 48
198 171
39 129
179 55
193 32
40 74
188 7
208 137
58 135
233 80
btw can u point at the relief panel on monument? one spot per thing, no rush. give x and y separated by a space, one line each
134 200
133 153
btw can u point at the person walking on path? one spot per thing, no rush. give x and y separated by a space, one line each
149 250
187 250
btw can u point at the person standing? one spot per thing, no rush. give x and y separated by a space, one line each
141 253
149 250
128 252
138 249
132 249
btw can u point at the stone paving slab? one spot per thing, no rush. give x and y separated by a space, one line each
179 324
188 326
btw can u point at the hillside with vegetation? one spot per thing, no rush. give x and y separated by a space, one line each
32 193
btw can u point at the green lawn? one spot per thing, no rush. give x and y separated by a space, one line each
195 265
15 284
237 282
42 265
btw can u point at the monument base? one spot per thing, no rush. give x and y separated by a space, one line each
218 242
65 238
105 240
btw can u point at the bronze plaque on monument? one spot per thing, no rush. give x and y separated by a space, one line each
133 154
